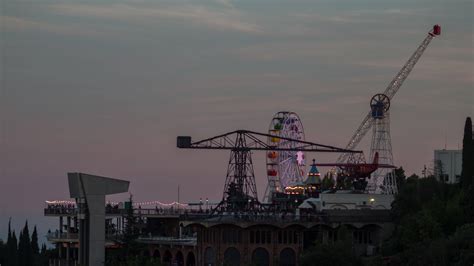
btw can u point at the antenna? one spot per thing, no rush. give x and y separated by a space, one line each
445 140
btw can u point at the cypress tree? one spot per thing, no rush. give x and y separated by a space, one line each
9 230
21 249
467 172
24 248
34 242
43 256
9 242
13 251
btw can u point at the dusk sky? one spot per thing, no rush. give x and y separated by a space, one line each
104 87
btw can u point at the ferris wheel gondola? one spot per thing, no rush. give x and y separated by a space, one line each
284 168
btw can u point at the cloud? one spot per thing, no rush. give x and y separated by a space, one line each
10 23
226 3
217 19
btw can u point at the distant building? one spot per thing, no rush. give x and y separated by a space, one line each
447 165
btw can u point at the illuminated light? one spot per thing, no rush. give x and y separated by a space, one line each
372 199
272 154
275 140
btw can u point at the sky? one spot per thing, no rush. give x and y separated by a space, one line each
104 87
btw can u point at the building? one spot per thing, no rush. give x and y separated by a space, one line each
263 234
448 165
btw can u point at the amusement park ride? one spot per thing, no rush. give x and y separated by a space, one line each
285 146
378 118
240 191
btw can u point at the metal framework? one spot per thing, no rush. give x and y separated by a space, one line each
240 192
381 133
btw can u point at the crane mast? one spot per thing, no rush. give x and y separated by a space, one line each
390 91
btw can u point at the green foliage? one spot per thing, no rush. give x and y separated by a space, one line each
434 221
400 176
23 251
333 254
25 255
3 253
34 242
327 182
467 173
113 259
458 249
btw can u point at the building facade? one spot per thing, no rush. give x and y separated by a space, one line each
448 165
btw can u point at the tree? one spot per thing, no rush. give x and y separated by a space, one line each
337 253
328 182
467 172
3 252
400 177
439 171
13 250
34 242
24 247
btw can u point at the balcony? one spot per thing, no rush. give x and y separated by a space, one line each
183 241
57 237
72 211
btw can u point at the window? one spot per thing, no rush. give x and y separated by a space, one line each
252 237
285 238
269 237
279 237
257 237
295 237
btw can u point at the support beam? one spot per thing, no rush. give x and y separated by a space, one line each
89 192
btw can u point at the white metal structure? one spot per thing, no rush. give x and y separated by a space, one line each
284 168
383 138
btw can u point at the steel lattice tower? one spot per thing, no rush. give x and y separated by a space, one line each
382 180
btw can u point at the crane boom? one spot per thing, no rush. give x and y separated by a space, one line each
390 91
397 82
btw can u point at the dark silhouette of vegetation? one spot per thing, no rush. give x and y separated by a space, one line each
337 253
434 222
467 174
25 251
131 252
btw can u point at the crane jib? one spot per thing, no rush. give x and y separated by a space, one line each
390 91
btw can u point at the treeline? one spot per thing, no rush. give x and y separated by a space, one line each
433 220
24 250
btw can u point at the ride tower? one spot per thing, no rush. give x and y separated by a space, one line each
381 181
379 119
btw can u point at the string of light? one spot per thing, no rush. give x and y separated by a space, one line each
156 202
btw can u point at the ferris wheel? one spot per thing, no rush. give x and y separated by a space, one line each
284 168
